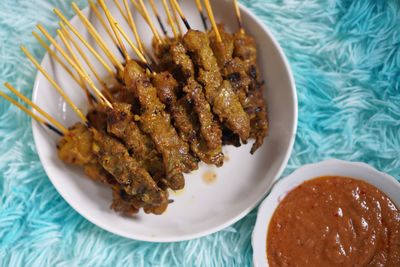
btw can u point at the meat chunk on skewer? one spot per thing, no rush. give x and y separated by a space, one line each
236 56
106 160
75 147
210 129
134 179
121 124
157 124
187 117
232 68
245 48
181 66
232 114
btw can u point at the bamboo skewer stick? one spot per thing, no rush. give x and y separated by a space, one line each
133 27
147 17
97 13
88 46
181 14
121 10
114 25
98 38
36 107
82 81
155 11
176 19
202 16
55 85
65 36
57 58
170 19
112 20
120 42
72 63
138 8
137 51
131 23
76 60
212 19
82 54
60 131
238 16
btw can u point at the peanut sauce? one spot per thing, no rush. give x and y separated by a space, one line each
334 221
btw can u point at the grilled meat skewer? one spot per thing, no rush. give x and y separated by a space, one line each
156 122
104 156
219 92
245 48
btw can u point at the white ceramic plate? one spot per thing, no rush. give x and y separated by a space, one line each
357 170
201 208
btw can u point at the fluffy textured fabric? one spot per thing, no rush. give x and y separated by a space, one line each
345 55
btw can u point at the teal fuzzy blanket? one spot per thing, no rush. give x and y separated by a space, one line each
345 55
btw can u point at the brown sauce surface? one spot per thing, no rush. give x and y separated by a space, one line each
334 221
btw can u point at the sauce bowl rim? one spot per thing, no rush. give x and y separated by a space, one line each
288 183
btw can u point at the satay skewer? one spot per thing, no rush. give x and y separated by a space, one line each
121 10
138 8
238 16
177 7
97 37
98 15
155 11
141 8
62 34
83 40
131 23
170 19
139 42
72 63
147 18
176 17
58 59
66 38
212 19
74 57
55 126
117 36
33 115
53 82
202 16
119 29
82 54
133 27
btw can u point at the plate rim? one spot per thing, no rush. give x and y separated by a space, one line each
214 229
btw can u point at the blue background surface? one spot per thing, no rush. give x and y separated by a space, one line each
345 56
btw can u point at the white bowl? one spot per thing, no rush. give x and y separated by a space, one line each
361 171
201 208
